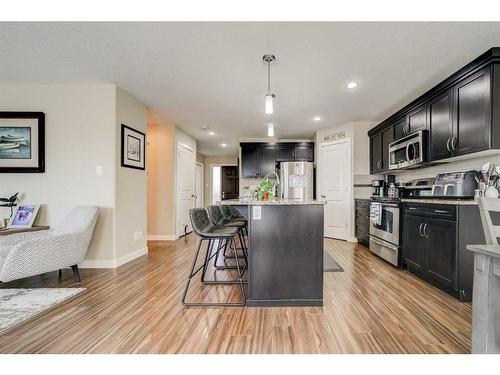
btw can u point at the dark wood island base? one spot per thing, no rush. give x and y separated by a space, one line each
285 252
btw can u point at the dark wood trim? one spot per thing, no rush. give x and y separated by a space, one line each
40 116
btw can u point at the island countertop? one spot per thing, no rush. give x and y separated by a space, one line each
277 202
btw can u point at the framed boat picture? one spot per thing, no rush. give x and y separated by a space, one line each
133 148
22 142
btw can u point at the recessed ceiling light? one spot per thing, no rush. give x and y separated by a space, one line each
317 118
352 85
211 133
223 145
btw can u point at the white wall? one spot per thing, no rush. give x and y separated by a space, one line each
131 184
82 126
79 125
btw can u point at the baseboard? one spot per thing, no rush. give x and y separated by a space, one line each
131 256
352 239
114 263
161 237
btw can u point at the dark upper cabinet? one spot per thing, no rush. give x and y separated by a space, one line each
440 126
400 129
376 165
462 113
416 119
472 120
441 248
387 138
304 152
249 161
259 159
267 160
285 153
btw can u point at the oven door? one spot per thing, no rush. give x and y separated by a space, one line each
388 229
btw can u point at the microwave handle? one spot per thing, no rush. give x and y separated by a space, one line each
408 152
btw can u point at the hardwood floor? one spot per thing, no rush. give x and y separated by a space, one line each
370 308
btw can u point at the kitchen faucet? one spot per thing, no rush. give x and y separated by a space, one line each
266 177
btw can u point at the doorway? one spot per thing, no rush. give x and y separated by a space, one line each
185 176
224 182
198 183
335 187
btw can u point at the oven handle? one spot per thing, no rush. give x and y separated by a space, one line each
384 244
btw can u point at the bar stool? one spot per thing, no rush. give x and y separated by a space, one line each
230 213
206 231
217 218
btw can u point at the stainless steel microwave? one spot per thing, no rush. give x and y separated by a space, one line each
408 152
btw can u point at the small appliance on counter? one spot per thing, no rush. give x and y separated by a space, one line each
378 187
417 188
458 185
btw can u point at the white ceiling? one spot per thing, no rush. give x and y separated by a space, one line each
211 74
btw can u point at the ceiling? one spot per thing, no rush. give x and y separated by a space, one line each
212 74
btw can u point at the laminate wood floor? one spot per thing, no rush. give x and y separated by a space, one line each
372 307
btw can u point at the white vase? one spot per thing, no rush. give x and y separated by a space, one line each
491 192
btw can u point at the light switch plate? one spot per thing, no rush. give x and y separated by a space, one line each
256 212
98 170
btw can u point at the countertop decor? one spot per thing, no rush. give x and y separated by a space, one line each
275 201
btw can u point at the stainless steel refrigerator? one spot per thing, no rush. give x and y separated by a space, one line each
297 180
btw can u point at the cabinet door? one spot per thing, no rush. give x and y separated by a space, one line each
472 122
267 161
440 126
441 250
417 119
400 129
249 161
387 138
376 153
415 245
304 152
285 153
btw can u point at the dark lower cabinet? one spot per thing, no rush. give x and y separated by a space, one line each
434 245
362 221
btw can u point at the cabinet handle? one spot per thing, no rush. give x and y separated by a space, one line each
420 229
448 144
425 231
441 211
453 143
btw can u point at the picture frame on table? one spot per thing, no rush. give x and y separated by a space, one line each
22 142
133 148
24 216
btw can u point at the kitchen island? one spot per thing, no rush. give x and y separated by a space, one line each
285 265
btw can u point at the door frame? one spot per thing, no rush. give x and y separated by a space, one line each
210 185
202 181
351 215
178 144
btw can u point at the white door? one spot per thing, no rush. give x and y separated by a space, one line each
185 188
335 188
199 185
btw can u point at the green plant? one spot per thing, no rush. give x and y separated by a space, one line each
9 202
264 190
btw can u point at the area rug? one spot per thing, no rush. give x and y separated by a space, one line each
330 265
17 305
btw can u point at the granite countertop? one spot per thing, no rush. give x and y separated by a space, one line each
276 202
462 202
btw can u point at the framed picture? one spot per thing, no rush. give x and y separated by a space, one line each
22 142
24 216
133 148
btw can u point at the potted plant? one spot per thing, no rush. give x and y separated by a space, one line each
265 190
10 202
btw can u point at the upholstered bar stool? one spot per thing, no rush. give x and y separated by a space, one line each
231 214
206 231
217 218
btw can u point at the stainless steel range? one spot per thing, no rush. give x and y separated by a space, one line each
385 229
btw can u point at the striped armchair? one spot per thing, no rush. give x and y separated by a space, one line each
28 254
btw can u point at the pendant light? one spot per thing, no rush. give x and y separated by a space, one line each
270 129
269 98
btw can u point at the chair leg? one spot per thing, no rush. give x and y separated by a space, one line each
76 273
191 273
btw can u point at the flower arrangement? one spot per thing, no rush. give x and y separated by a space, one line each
265 190
9 202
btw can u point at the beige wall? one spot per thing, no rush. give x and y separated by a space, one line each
161 219
210 160
80 134
131 184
